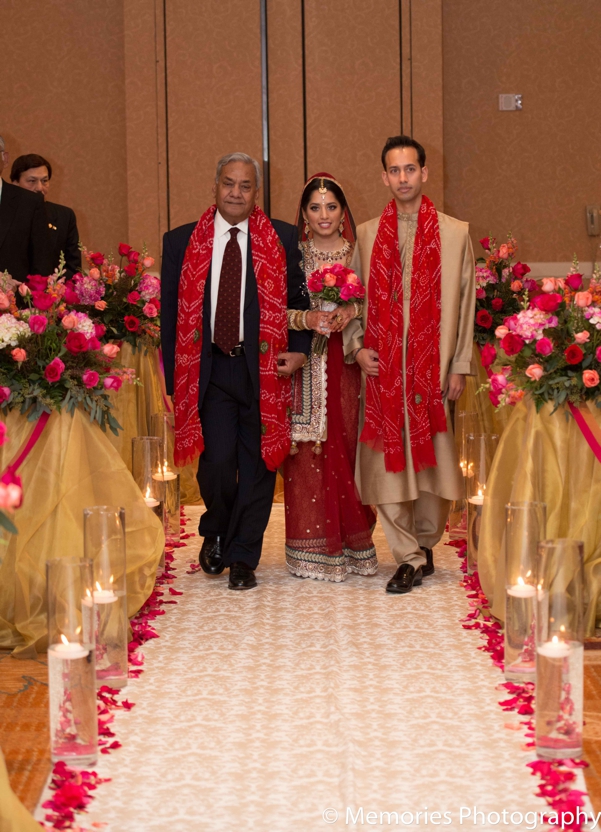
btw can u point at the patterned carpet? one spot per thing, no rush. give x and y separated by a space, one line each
275 709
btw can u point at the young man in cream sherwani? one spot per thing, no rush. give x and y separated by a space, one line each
415 348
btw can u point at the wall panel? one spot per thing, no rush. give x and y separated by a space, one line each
213 51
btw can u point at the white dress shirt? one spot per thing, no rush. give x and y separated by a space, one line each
220 240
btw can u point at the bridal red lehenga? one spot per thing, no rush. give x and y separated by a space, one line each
328 530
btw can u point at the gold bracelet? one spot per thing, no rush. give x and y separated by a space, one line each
304 319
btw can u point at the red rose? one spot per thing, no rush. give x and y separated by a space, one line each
485 243
130 270
133 256
156 302
574 281
511 344
71 297
42 301
124 249
488 355
99 330
484 318
76 342
54 370
573 354
90 378
131 323
530 285
37 283
97 258
547 302
497 304
94 344
520 269
134 297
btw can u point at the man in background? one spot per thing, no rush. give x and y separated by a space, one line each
24 243
34 173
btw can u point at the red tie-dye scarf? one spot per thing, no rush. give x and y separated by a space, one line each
269 262
384 406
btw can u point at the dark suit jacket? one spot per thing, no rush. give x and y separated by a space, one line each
24 244
174 249
64 236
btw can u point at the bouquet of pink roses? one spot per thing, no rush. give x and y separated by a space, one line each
331 286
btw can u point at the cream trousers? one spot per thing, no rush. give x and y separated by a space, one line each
416 523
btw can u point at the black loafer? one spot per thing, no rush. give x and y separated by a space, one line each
241 576
404 579
428 569
210 558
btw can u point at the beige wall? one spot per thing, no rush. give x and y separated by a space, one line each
530 172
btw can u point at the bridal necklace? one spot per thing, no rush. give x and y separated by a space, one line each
329 256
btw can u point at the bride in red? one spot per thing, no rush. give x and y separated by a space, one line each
328 530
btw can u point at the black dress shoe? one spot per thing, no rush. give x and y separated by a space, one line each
241 576
404 579
210 558
428 569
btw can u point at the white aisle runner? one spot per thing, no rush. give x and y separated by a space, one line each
302 706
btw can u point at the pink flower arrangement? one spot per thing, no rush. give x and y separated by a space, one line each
499 284
330 286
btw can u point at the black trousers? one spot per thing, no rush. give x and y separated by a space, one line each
235 485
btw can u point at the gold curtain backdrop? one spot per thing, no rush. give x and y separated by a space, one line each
544 457
71 466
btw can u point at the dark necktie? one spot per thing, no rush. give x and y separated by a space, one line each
227 314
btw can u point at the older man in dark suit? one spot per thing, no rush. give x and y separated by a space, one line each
34 173
227 282
24 244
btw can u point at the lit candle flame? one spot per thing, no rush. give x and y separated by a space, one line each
98 587
555 640
64 639
148 494
521 581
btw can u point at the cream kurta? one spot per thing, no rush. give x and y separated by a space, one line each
458 299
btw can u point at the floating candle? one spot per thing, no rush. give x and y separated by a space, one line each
66 649
554 649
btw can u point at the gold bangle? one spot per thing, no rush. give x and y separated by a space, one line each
304 319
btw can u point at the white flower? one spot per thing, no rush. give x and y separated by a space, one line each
10 330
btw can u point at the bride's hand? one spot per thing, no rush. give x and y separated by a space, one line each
343 317
319 321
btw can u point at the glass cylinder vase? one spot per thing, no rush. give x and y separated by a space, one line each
104 545
465 424
163 426
71 664
559 648
481 449
147 462
524 528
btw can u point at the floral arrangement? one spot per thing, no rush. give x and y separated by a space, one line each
124 298
551 348
499 287
51 356
330 286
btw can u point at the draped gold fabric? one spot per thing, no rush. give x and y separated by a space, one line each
14 817
133 407
72 466
544 457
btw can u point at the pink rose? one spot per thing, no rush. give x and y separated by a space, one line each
329 280
544 346
54 370
68 322
19 355
480 293
150 310
534 371
94 274
3 436
598 353
133 256
574 281
11 496
112 383
4 394
498 382
100 305
590 378
547 303
548 284
582 337
516 286
42 301
583 299
530 284
133 297
488 355
71 297
94 343
501 332
503 251
90 378
110 350
4 301
37 323
148 262
24 290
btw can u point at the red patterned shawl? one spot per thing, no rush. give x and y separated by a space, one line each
384 407
269 262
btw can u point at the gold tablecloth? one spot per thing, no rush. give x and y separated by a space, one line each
14 817
544 457
133 407
72 466
488 420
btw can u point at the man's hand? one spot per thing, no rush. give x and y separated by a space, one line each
289 362
368 361
454 387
